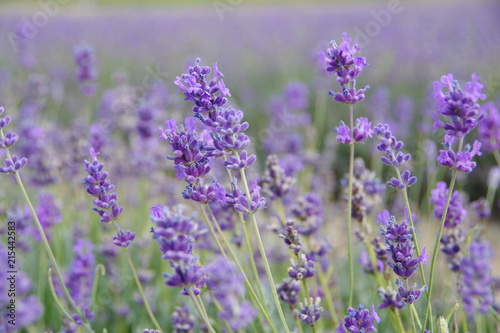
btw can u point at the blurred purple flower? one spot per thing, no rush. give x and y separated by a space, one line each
359 321
489 128
86 68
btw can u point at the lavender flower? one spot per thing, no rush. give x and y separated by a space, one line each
275 182
187 275
361 131
409 296
476 278
401 245
227 286
182 320
292 238
311 312
81 277
359 321
456 212
340 59
288 291
308 212
489 127
86 66
241 203
390 298
302 270
123 238
6 140
482 208
150 331
460 106
105 201
296 95
48 214
462 161
206 95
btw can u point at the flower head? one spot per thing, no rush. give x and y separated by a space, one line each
309 313
359 321
489 127
86 66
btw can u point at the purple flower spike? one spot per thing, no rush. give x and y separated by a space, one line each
105 202
289 291
311 312
461 161
362 130
359 321
123 238
276 183
303 270
206 95
10 139
456 212
340 59
13 165
408 180
390 299
476 278
460 107
86 65
489 128
291 237
409 295
182 320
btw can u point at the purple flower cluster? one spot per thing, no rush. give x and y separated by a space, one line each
86 68
100 187
340 59
226 284
489 128
409 296
401 245
311 312
275 181
48 214
476 278
206 95
308 214
304 269
288 291
360 320
176 233
182 320
456 212
462 161
390 298
241 203
81 277
361 131
366 190
291 237
391 147
460 107
7 140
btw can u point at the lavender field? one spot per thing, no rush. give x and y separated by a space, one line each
249 166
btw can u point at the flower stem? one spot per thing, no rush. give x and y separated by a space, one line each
349 208
44 240
264 256
200 311
428 311
141 291
257 302
328 296
496 154
214 234
411 312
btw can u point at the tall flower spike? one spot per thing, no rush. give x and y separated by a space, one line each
340 59
311 312
6 140
98 186
86 65
459 106
361 131
489 128
476 278
358 321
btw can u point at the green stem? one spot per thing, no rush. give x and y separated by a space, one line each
98 269
349 209
299 324
214 234
399 321
257 302
202 306
141 291
328 296
496 154
56 299
495 314
428 312
415 313
200 311
313 329
44 239
411 312
263 254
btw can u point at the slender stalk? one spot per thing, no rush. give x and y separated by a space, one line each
313 329
200 311
495 314
56 299
479 322
399 321
98 269
264 256
349 208
141 291
428 311
496 154
214 234
257 302
44 239
202 306
416 316
299 324
328 297
411 312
